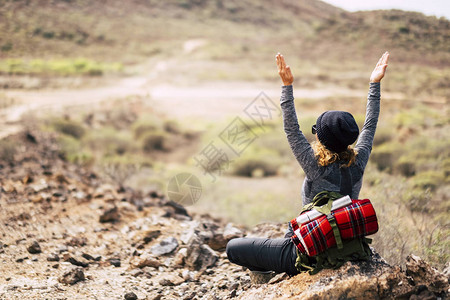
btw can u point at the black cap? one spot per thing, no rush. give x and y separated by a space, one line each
336 130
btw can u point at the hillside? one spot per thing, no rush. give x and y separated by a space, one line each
233 40
115 29
69 234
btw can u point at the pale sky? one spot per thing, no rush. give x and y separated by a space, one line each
437 8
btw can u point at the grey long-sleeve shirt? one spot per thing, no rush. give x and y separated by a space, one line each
319 178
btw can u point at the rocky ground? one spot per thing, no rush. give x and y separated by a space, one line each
66 233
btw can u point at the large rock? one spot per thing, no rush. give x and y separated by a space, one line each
423 274
359 280
166 246
199 256
231 232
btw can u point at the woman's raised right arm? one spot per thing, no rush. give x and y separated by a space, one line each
299 144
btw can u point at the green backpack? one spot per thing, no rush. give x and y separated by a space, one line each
332 258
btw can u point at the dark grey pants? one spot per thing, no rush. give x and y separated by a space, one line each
262 254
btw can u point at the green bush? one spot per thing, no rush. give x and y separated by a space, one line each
254 167
419 117
156 140
70 149
256 163
110 142
382 135
418 200
64 67
428 180
406 167
386 155
121 168
172 126
143 126
69 127
7 151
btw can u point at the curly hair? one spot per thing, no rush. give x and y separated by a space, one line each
326 157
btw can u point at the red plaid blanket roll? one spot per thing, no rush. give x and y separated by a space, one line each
355 220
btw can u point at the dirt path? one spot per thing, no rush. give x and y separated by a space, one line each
210 101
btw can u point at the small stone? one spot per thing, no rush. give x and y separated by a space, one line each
77 242
130 296
40 186
217 242
115 262
110 215
80 262
261 277
136 272
178 260
166 246
63 248
151 235
147 261
73 276
53 257
446 270
34 248
187 236
279 277
171 280
178 208
231 232
87 256
19 260
187 275
233 286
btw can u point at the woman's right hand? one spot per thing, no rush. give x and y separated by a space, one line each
284 71
380 68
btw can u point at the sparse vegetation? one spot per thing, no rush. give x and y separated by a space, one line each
407 177
80 66
69 127
257 165
155 140
7 151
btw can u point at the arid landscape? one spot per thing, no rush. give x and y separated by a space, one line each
103 103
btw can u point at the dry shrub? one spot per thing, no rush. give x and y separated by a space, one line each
254 167
7 151
69 127
256 164
385 156
156 140
141 128
172 126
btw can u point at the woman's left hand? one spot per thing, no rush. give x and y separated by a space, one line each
284 71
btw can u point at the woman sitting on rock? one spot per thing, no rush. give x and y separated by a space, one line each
330 164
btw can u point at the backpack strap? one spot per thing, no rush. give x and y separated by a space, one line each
337 234
346 181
